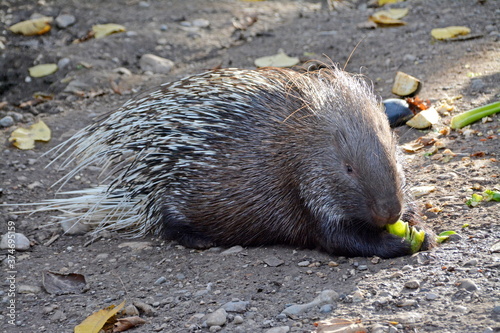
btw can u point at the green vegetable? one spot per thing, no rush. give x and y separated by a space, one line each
411 234
468 117
474 200
490 195
444 236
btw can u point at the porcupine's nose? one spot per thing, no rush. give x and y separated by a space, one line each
386 212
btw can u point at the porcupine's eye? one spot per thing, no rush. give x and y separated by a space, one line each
348 168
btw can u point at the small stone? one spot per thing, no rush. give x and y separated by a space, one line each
217 318
74 228
155 64
232 250
279 329
160 280
304 263
6 121
495 248
431 296
496 309
15 240
461 309
130 311
409 57
412 284
467 284
477 84
102 256
163 27
327 308
147 309
63 62
472 262
144 4
28 289
136 246
273 261
236 306
406 302
238 320
362 268
58 316
65 20
122 71
201 23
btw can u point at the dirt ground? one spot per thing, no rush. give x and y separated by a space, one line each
454 288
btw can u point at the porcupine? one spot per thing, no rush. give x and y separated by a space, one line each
248 157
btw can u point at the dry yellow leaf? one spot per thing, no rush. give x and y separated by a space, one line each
37 26
383 2
103 30
94 322
24 138
449 32
390 16
277 60
42 70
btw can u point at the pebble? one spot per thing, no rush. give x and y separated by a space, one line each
130 310
6 121
408 317
217 318
160 280
304 263
137 246
431 296
58 316
467 284
412 284
232 250
21 242
273 261
472 262
163 27
495 248
28 289
236 306
325 297
279 329
238 320
147 309
155 64
144 4
74 228
201 23
327 308
63 62
65 20
477 84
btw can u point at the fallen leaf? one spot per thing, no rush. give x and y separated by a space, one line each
383 2
24 138
33 27
60 284
42 70
94 322
412 147
390 17
449 32
277 60
103 30
339 325
124 324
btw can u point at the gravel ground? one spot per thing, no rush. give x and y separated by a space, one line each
453 288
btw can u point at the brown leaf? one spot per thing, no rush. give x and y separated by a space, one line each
59 284
124 324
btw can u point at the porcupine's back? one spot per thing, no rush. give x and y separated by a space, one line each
245 157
